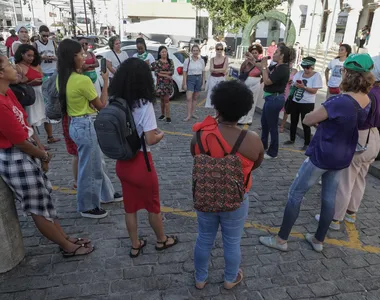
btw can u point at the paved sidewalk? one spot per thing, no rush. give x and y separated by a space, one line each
348 268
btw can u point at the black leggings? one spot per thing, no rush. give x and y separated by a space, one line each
297 110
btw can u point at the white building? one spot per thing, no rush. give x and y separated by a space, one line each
10 14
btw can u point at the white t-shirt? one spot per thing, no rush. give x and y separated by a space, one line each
194 67
149 57
111 57
336 77
145 119
315 82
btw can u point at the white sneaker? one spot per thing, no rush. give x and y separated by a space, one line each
334 225
266 156
317 247
271 242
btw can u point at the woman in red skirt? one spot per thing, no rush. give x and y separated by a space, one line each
133 82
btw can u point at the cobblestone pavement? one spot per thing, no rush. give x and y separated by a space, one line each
348 268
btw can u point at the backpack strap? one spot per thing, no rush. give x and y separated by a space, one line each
199 142
239 140
145 153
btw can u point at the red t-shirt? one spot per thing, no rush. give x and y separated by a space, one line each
9 43
14 128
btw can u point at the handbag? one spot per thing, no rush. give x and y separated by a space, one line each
360 148
244 75
24 93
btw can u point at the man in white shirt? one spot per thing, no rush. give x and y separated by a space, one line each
115 57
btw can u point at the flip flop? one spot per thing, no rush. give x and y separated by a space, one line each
74 253
52 140
230 285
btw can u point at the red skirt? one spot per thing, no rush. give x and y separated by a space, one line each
140 187
71 147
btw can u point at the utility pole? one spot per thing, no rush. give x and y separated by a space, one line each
288 16
85 15
92 8
73 17
311 28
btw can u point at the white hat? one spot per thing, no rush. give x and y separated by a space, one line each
376 68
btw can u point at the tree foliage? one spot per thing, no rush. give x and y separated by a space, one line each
234 14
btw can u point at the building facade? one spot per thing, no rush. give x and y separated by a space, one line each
10 14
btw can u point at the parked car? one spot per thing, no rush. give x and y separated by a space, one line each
186 45
177 55
124 42
94 42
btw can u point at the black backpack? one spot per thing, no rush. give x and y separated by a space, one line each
116 132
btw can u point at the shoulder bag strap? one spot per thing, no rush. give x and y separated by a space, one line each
145 153
117 57
239 140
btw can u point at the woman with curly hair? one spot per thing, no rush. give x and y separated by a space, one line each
134 84
216 137
253 81
331 150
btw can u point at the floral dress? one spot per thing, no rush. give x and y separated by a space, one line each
164 86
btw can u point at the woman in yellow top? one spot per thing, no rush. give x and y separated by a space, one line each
79 100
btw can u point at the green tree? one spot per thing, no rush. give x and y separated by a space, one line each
234 14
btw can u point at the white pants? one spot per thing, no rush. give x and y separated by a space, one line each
253 83
211 83
352 181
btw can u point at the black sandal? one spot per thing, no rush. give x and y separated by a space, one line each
165 245
78 241
139 249
74 253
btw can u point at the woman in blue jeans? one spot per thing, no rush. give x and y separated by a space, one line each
275 79
231 100
79 100
331 149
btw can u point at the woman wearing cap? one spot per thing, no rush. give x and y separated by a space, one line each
114 57
307 84
218 70
352 181
331 150
253 81
335 66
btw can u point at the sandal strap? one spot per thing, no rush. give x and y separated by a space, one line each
167 238
141 245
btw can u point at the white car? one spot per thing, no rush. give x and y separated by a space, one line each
178 57
99 52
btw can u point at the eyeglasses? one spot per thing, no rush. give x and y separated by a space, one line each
219 49
84 55
85 44
10 64
45 35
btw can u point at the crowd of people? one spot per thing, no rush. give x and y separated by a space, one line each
345 143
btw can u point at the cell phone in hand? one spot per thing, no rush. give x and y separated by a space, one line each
103 65
299 81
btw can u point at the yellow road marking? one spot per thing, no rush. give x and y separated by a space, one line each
177 133
353 235
201 103
292 150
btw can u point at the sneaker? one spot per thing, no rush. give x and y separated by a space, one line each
334 225
168 120
96 213
161 118
117 197
350 218
289 142
266 156
304 148
271 242
317 247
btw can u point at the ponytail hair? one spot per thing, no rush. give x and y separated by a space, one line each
289 54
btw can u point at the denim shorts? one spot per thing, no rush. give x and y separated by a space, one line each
194 83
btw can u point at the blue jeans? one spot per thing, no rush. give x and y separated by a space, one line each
194 83
306 177
232 224
93 182
269 122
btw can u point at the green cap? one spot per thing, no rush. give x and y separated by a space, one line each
359 62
